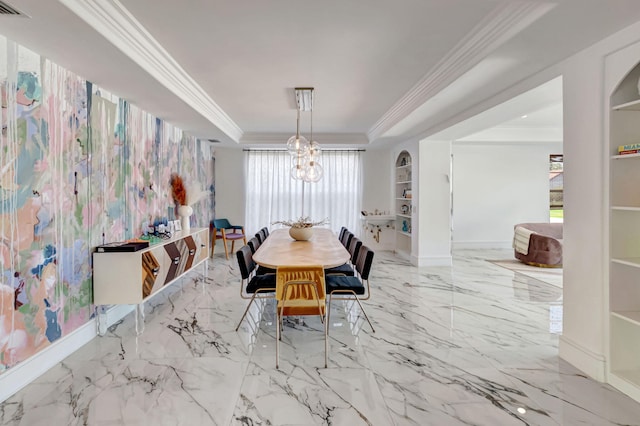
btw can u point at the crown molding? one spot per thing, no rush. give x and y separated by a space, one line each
505 21
115 23
322 138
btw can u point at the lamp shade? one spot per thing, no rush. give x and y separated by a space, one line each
313 172
298 172
298 145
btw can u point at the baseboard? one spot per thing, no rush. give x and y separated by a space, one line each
476 245
591 363
431 260
15 378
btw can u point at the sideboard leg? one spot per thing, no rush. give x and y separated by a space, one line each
140 318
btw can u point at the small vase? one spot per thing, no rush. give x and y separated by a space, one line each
185 213
301 234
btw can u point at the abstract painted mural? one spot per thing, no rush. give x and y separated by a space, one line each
78 167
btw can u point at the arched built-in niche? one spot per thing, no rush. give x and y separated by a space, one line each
403 203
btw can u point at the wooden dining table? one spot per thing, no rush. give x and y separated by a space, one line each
279 249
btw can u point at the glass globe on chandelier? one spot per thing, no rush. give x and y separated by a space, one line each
305 153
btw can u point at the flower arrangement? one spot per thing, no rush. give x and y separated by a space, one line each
178 190
185 195
303 222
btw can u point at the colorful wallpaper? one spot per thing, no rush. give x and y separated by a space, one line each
78 167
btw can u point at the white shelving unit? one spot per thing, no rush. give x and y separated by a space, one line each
624 238
404 206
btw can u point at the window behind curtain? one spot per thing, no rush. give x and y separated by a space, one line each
271 194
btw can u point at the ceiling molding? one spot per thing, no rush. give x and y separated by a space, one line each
321 138
505 21
115 23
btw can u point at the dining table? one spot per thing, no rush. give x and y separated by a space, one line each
323 248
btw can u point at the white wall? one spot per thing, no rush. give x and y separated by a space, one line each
377 180
377 184
495 186
230 183
434 204
584 334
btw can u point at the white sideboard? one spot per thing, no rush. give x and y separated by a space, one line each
132 277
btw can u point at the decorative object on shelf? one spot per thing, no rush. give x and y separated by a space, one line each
185 198
403 161
404 209
405 226
301 229
407 193
304 153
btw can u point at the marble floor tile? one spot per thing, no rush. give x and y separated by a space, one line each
470 344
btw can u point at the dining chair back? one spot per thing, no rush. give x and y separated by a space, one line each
253 244
224 230
346 239
342 231
253 286
259 237
354 249
264 233
364 261
300 290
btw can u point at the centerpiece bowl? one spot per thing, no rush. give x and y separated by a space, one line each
301 234
301 229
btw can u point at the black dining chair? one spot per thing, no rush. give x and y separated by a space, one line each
342 287
346 239
342 231
253 286
346 269
254 244
265 232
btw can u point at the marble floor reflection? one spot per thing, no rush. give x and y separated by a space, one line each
471 344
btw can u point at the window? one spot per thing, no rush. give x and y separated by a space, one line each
272 195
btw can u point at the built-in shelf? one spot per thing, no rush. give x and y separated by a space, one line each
628 106
623 285
629 261
631 316
626 208
617 157
403 188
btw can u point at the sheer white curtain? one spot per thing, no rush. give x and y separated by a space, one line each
272 195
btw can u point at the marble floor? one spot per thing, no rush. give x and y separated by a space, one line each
472 344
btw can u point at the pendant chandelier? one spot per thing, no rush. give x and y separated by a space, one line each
305 153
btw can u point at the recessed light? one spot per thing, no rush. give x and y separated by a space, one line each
524 116
522 410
